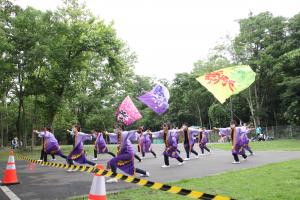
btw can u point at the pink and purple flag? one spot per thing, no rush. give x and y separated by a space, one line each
157 99
127 113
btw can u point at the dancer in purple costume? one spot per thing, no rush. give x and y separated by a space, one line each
100 144
188 140
203 140
145 142
125 156
44 156
223 137
78 153
169 137
236 141
245 138
50 144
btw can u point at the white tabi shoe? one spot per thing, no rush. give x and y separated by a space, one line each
145 175
236 162
112 180
180 163
165 166
186 159
94 159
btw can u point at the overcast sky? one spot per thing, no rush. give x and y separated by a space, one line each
168 36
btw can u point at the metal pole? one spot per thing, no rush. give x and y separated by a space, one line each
231 112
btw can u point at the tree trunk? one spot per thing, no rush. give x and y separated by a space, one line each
24 141
6 119
34 123
53 112
199 111
209 123
258 107
19 124
250 103
275 117
2 128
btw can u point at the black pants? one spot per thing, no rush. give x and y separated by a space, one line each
187 150
166 158
110 153
202 149
153 153
71 162
250 151
137 170
236 157
44 156
137 157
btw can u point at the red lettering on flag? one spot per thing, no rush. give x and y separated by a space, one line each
216 77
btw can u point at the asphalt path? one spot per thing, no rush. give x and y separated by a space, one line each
47 183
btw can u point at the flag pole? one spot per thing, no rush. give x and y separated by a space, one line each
231 112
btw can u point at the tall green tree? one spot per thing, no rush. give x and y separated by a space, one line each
289 69
21 31
260 44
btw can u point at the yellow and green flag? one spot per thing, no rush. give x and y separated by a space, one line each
228 81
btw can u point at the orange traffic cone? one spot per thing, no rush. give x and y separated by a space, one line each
98 190
10 173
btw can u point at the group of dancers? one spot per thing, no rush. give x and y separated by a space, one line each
124 159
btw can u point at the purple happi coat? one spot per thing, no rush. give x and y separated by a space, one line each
100 144
51 145
77 154
145 142
125 157
170 140
190 134
245 138
236 139
224 132
203 137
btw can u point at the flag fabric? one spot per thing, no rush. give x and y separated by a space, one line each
127 113
157 99
228 81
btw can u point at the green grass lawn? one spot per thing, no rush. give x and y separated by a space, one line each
280 145
271 182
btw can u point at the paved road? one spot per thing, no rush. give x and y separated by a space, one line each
50 183
2 195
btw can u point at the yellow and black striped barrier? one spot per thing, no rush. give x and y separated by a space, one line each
130 179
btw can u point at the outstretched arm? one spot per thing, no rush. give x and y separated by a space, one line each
37 132
70 132
85 136
157 134
44 134
113 137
